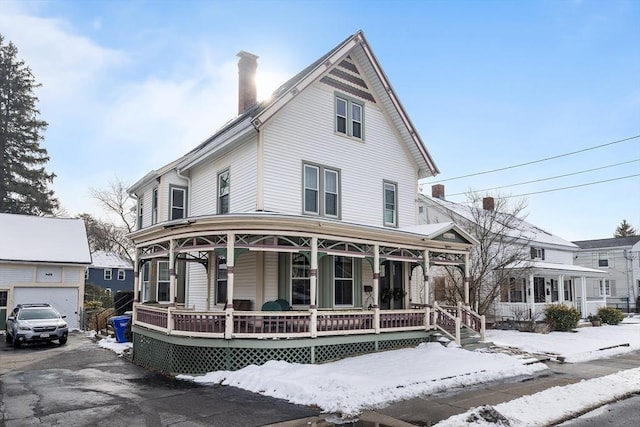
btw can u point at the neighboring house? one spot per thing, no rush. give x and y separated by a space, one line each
620 258
111 271
304 203
544 274
43 260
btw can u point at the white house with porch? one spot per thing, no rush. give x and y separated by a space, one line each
295 222
548 275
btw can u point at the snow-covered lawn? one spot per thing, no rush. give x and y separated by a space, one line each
351 385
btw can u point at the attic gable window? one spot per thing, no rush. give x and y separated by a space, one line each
349 116
537 253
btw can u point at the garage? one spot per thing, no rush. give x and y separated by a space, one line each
65 300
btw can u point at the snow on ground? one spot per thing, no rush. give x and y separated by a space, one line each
353 384
112 344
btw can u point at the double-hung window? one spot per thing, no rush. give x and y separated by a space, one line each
163 281
603 259
107 274
223 192
300 282
178 202
343 281
140 206
349 117
321 192
537 253
121 274
146 284
221 280
154 206
390 204
605 287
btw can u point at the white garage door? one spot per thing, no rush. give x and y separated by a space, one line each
65 300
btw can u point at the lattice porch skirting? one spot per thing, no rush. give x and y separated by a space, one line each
185 355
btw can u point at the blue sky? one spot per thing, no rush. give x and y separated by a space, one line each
130 85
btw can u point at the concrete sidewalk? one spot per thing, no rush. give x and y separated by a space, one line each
429 410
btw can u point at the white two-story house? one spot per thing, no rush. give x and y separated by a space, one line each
296 220
541 271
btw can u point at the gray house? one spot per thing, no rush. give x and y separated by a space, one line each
620 258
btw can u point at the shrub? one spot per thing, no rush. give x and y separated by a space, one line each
92 305
610 315
561 317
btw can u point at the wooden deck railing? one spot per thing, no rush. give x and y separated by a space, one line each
293 324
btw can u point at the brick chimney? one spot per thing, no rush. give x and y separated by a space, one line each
437 191
488 203
247 66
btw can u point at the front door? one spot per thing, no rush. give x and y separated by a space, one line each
391 285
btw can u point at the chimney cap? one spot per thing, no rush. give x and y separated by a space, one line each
248 55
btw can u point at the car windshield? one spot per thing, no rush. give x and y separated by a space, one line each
37 313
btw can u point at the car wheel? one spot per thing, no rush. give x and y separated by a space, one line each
63 340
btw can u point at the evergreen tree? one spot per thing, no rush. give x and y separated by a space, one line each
23 178
624 230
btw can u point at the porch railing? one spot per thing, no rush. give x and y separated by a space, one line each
312 323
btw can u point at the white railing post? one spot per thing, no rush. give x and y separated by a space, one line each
376 319
313 325
458 341
435 313
228 323
483 327
427 318
170 320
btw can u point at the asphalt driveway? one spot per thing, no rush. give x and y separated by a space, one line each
81 384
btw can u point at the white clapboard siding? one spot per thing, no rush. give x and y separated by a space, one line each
73 275
558 256
197 290
303 131
13 274
241 163
270 278
244 283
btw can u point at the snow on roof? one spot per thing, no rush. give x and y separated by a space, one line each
102 259
27 238
526 230
568 268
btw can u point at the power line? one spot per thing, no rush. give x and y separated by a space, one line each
572 186
547 179
539 160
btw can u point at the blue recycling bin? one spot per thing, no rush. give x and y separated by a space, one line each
121 327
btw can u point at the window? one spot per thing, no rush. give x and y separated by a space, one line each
568 291
538 290
154 206
221 280
163 281
178 202
537 253
146 289
603 259
121 274
223 192
107 274
321 196
86 273
349 120
300 282
605 287
140 205
390 204
343 280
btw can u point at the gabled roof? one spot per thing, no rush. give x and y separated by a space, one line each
104 259
256 116
614 242
525 230
37 239
441 231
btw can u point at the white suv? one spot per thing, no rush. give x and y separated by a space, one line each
36 323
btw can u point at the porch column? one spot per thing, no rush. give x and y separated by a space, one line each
376 283
172 274
313 287
561 289
583 300
532 296
466 280
228 324
136 277
425 273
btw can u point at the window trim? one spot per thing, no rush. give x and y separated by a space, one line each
184 200
228 195
107 274
386 183
352 279
321 193
154 206
537 253
121 274
167 282
219 281
605 259
145 279
349 103
604 284
306 278
140 211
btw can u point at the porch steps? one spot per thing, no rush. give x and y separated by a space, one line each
525 357
469 339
